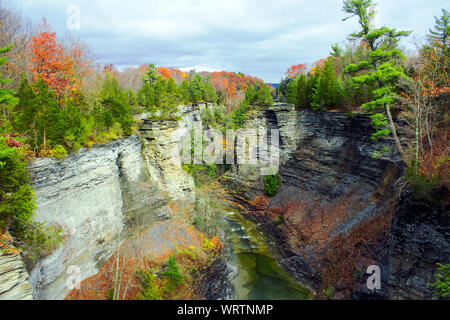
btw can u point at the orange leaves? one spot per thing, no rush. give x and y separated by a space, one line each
48 61
6 244
165 73
318 65
296 70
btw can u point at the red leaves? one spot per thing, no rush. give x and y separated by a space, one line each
296 70
11 142
48 61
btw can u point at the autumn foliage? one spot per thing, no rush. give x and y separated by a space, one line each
296 70
49 62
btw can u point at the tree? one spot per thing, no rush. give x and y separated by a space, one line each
115 105
264 95
17 199
7 100
151 75
195 88
296 70
442 284
439 36
293 92
426 97
48 61
38 115
380 69
184 91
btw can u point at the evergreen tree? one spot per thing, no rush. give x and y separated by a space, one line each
329 86
381 68
195 88
151 76
439 36
184 91
171 86
316 96
264 95
7 99
38 115
293 92
302 90
115 106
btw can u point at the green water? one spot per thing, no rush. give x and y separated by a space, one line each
259 276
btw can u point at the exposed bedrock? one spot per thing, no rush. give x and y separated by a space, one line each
338 202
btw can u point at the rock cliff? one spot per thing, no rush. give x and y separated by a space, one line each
93 195
112 192
338 202
14 283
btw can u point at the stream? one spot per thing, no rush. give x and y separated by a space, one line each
258 275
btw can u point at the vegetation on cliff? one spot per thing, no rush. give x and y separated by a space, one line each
372 75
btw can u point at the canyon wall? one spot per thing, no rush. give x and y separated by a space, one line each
84 194
340 205
340 208
14 283
105 196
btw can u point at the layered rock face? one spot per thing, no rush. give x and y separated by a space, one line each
14 283
420 238
92 195
338 202
107 194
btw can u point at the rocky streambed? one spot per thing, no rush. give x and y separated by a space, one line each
256 274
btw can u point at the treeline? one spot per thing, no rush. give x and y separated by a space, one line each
372 75
326 86
162 96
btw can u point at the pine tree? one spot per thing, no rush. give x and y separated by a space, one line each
329 86
381 67
195 88
184 91
302 90
439 36
7 99
151 76
264 95
171 86
293 92
316 97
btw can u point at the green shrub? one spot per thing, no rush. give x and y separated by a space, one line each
58 152
272 184
422 187
18 204
174 278
442 284
279 221
329 292
150 289
350 115
199 222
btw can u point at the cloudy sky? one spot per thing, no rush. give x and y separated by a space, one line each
257 37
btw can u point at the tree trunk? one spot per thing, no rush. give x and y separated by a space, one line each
394 131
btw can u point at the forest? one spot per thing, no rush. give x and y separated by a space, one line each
56 99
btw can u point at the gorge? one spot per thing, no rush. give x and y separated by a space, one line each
342 212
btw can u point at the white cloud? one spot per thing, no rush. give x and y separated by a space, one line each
258 37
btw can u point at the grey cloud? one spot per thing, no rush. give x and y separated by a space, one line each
260 38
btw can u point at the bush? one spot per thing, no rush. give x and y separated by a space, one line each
58 152
422 187
279 221
272 184
18 204
150 289
442 284
172 274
